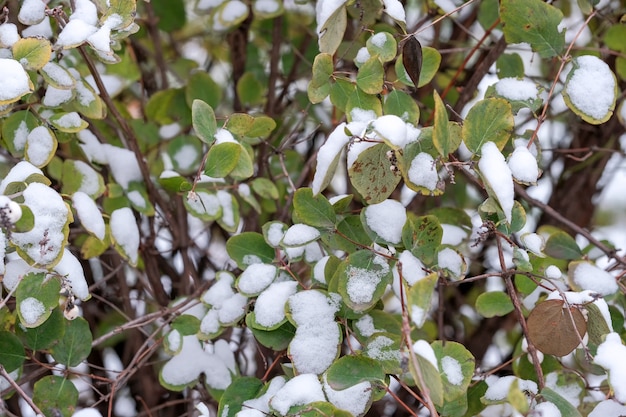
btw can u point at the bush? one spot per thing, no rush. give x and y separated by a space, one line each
247 208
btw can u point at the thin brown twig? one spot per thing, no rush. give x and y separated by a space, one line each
20 391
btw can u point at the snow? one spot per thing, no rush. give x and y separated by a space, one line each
327 153
450 259
570 392
256 278
300 390
125 232
70 120
14 81
499 387
379 40
452 234
591 88
395 10
86 11
59 75
425 350
452 370
10 209
55 97
87 412
514 89
269 309
319 268
380 349
314 347
300 234
361 115
32 12
20 135
547 409
534 243
84 94
589 277
553 272
362 282
573 297
32 309
232 310
275 233
523 165
266 6
136 199
180 371
40 145
386 219
261 404
203 202
92 148
210 323
123 164
226 203
51 214
101 39
362 56
608 408
174 340
391 127
74 33
88 214
42 29
365 325
324 9
8 35
608 351
498 176
412 268
422 171
220 290
70 268
354 399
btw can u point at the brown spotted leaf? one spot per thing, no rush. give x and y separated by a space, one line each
551 327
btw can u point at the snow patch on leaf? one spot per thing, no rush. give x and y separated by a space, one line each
498 177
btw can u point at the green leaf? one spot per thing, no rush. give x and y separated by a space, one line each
383 45
457 365
432 380
332 30
68 122
597 327
75 345
170 14
124 9
204 123
262 126
186 324
431 58
201 86
371 174
318 409
488 13
565 407
26 222
277 339
351 370
313 210
250 89
265 188
422 236
370 76
12 353
55 396
560 245
384 347
402 105
488 120
587 71
245 165
363 278
510 65
222 159
420 296
494 304
243 248
45 335
239 390
441 134
534 22
15 129
350 236
340 91
363 101
32 52
80 176
36 297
